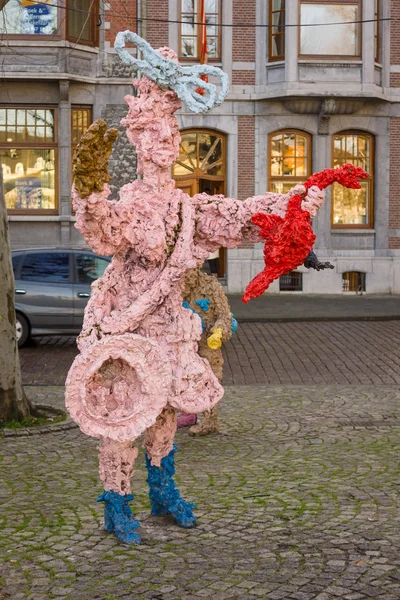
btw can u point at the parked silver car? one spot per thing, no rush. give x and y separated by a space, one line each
52 287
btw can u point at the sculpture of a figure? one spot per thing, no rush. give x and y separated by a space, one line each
204 295
138 361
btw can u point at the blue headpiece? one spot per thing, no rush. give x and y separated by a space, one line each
168 74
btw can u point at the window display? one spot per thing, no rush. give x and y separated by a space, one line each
27 17
28 156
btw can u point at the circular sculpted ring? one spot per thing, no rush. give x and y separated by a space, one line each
118 387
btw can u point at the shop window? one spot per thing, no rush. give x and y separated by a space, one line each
341 39
289 159
276 30
353 208
353 281
28 151
291 282
81 21
190 29
26 17
29 17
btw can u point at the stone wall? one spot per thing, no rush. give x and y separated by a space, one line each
114 67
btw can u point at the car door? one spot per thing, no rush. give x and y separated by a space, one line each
44 290
88 268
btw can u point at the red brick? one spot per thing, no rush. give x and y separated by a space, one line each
243 77
244 38
246 156
394 186
121 16
395 33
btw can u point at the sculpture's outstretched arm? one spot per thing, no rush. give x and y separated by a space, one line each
96 217
228 222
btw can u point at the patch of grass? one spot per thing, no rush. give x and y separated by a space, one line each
32 422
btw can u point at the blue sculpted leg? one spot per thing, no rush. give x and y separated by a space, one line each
118 517
164 495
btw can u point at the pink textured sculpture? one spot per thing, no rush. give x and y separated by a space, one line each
138 359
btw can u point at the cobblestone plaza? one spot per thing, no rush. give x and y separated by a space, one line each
297 499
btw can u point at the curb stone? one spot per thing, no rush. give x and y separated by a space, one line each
51 428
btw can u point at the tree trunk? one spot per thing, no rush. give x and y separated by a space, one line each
14 405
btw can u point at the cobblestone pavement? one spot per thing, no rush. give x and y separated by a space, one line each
366 352
298 500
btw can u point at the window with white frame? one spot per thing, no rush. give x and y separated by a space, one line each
189 45
330 29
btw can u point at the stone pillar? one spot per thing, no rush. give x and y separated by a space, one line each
292 43
64 161
322 159
368 44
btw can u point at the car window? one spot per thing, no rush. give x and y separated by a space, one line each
49 267
90 267
16 261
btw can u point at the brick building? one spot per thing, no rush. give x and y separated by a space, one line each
302 98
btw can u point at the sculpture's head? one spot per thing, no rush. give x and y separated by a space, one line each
150 124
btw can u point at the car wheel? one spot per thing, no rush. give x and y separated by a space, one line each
22 328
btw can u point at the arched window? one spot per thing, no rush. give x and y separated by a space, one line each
201 162
353 208
289 159
201 167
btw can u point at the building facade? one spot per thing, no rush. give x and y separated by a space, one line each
314 84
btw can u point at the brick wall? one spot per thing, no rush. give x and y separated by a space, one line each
394 196
156 33
246 155
243 39
243 77
121 16
395 79
395 33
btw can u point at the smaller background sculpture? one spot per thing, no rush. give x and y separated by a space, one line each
204 295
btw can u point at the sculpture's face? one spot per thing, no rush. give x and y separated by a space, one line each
151 124
159 142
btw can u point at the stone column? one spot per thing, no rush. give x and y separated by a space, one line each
291 43
64 161
322 159
368 45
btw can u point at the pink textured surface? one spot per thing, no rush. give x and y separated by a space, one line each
159 438
138 344
116 461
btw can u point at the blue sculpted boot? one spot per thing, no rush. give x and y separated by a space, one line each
165 498
118 517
